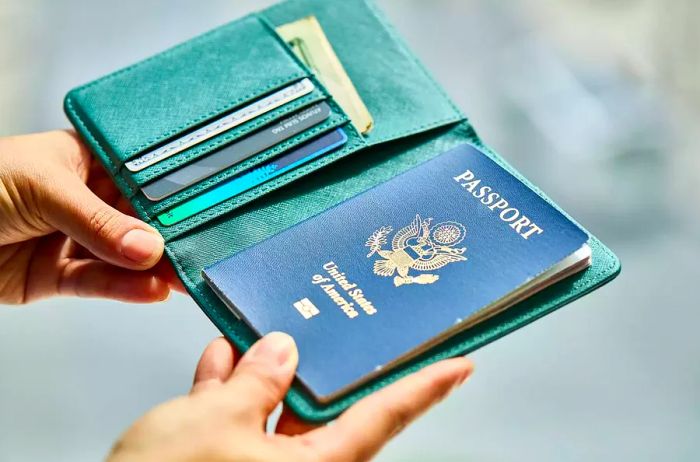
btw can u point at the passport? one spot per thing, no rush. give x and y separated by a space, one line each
385 275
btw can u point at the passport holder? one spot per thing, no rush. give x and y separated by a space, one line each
126 113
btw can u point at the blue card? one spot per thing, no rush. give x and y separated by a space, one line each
379 278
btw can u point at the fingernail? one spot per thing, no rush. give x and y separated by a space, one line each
275 349
141 246
467 373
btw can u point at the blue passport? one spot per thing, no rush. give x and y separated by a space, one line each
384 276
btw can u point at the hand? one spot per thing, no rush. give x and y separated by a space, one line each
224 416
64 228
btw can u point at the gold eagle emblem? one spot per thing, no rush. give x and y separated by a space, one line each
418 246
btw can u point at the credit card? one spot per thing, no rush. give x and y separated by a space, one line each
310 44
255 177
227 122
236 152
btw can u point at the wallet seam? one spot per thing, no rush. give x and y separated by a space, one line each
106 158
416 130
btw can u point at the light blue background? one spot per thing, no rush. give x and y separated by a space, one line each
596 102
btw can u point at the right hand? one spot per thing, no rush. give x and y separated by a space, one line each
223 418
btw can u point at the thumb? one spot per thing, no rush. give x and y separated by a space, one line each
264 374
109 234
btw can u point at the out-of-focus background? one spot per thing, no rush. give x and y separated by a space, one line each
597 102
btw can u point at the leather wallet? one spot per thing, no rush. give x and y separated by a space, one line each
131 111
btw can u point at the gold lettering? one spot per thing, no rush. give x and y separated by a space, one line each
351 289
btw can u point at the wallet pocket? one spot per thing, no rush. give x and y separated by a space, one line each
137 108
140 178
154 208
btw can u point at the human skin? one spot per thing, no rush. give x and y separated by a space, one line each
66 230
223 418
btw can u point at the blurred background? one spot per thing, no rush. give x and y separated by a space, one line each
597 102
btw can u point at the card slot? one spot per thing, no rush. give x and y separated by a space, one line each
154 208
140 178
142 106
354 143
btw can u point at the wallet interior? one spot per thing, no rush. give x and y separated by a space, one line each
134 110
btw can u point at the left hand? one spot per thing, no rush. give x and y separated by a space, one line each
66 230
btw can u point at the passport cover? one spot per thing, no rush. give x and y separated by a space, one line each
396 267
133 109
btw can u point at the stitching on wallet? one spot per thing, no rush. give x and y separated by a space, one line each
97 145
231 204
151 173
415 130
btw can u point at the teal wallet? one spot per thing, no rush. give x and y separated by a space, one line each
131 111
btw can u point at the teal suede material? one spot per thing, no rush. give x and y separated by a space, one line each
414 121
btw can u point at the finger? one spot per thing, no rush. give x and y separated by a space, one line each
93 278
165 271
107 233
215 366
263 375
124 206
363 429
102 185
289 424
